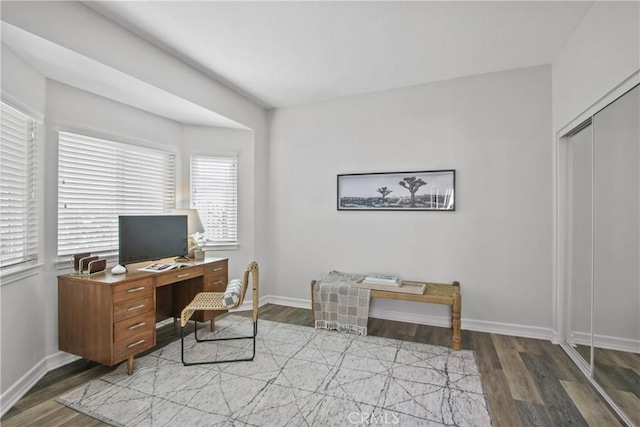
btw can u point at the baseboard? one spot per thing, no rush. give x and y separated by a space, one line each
28 380
10 397
60 359
442 321
289 302
513 329
607 342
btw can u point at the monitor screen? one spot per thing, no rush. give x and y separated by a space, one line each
151 237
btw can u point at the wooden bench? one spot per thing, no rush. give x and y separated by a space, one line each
434 293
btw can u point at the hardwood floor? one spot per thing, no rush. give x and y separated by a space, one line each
527 382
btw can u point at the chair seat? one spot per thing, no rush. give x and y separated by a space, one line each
202 301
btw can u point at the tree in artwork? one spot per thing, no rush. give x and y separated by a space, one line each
385 192
412 184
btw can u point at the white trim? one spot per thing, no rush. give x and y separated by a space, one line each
63 263
604 341
110 136
559 188
288 302
60 359
22 107
22 386
210 247
511 329
19 272
31 378
607 99
441 321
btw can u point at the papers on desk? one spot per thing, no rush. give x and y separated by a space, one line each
163 266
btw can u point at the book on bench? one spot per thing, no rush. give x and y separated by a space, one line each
417 288
381 279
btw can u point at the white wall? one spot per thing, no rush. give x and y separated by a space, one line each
22 339
601 53
29 336
79 111
599 62
74 26
493 129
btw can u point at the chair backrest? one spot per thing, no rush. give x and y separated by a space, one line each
252 269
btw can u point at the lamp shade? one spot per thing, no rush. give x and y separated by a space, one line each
194 225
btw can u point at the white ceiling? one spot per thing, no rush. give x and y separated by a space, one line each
67 66
290 53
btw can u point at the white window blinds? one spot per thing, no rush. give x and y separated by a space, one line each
99 180
214 193
18 202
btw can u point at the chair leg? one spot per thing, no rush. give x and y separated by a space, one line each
207 362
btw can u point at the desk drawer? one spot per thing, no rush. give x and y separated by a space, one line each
132 307
179 275
215 283
133 344
216 269
130 290
138 325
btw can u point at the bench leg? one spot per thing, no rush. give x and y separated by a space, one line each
456 309
313 313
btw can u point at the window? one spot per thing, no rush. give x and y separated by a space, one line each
214 193
99 180
18 201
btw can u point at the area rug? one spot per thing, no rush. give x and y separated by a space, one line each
300 376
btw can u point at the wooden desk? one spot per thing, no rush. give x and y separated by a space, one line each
110 318
434 293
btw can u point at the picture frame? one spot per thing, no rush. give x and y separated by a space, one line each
397 191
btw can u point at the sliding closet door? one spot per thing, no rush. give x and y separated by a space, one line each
616 316
579 239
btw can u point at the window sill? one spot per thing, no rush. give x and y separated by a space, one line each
220 247
20 272
64 263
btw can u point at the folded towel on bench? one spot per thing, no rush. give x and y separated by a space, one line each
340 306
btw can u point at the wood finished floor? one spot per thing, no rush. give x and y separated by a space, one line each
527 382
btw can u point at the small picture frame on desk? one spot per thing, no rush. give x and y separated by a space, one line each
75 261
97 266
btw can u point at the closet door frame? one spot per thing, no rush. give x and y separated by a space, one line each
561 233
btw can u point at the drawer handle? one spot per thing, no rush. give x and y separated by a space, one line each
136 307
135 343
217 282
217 269
183 275
141 288
137 326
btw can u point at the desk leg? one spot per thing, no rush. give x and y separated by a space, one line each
212 324
456 309
130 365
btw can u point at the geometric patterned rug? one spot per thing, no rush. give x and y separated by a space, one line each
301 376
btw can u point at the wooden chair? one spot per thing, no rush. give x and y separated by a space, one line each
216 301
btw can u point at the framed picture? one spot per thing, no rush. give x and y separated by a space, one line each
398 191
